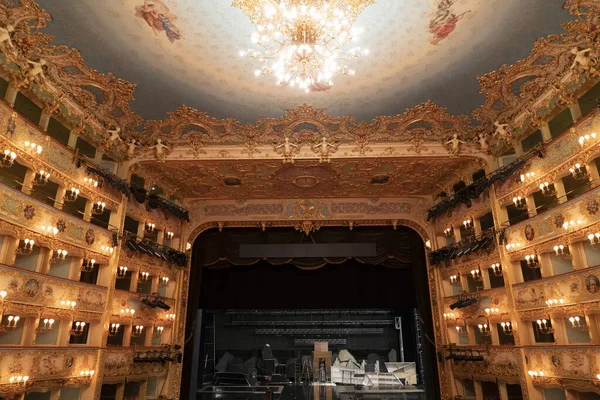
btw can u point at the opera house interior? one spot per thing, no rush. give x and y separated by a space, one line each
299 199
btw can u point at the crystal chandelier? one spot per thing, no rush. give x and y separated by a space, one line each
304 43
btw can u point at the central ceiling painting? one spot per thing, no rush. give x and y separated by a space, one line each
187 52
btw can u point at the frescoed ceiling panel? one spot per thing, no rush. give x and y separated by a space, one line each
420 50
344 178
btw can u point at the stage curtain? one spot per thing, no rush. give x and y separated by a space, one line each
221 249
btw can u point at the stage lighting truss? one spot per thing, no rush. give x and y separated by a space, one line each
325 331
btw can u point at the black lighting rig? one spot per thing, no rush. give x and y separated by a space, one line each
463 355
146 246
462 248
155 301
166 353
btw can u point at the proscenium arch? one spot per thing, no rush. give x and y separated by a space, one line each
428 309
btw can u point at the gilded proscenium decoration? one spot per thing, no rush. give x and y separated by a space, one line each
304 42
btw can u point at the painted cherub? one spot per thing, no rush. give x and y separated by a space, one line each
131 148
289 149
501 129
160 149
323 148
455 144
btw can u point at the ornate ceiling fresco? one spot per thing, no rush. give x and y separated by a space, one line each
341 178
419 50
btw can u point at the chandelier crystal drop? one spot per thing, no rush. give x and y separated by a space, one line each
304 43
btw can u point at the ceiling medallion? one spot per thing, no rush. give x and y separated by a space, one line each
304 43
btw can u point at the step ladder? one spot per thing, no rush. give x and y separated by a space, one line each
208 348
307 370
297 372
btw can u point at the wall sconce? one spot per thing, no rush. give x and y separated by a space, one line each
507 328
578 171
587 139
72 194
90 182
121 272
127 312
535 373
520 203
497 269
555 302
144 276
527 176
476 275
107 250
78 329
468 224
113 329
25 247
455 279
68 304
11 323
58 255
449 232
41 178
87 372
49 230
578 323
47 326
98 208
170 317
547 190
492 310
158 331
170 235
88 265
449 315
3 295
512 246
532 261
594 239
461 330
571 225
563 251
150 227
164 281
428 244
19 379
544 326
33 148
484 329
8 158
137 330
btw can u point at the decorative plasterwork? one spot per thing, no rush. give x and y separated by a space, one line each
342 178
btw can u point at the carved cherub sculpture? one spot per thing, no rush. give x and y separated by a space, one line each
289 149
114 136
5 35
34 72
324 150
455 144
582 58
160 149
501 129
483 142
131 148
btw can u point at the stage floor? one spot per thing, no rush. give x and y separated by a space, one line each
307 393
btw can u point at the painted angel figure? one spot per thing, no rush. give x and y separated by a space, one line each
5 35
323 149
443 21
131 148
501 130
160 149
455 143
159 17
289 149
